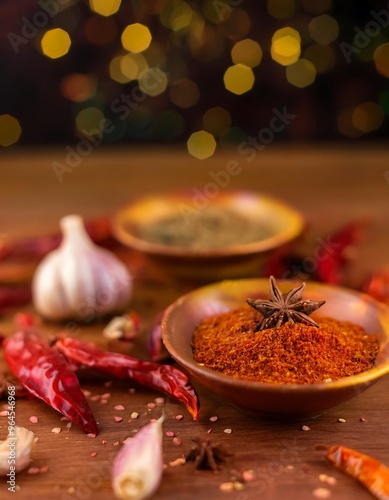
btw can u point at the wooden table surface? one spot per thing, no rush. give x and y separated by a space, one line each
330 185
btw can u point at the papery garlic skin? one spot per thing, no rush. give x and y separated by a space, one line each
138 466
79 280
24 441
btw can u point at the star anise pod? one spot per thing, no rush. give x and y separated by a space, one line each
207 455
280 309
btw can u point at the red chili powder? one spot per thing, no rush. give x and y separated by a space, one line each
293 353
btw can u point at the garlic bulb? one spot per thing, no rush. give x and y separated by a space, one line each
79 280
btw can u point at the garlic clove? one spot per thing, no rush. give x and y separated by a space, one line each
80 280
138 466
15 451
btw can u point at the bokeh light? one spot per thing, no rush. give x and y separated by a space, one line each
105 7
217 121
239 79
10 130
115 70
324 29
176 15
301 74
201 145
184 93
153 81
237 25
247 52
345 124
89 119
55 43
136 38
132 65
216 12
286 46
281 9
367 117
78 87
381 59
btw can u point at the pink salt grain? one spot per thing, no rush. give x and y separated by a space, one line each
118 419
179 417
33 419
213 419
93 454
91 435
170 434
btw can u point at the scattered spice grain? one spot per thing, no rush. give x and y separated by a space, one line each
118 419
305 428
33 419
321 493
342 420
56 430
231 343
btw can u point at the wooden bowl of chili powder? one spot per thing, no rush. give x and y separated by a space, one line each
208 237
229 334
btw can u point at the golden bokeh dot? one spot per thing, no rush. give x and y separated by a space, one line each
136 37
301 74
132 65
345 124
281 9
176 15
78 87
324 29
201 144
239 79
216 11
381 59
153 81
286 46
105 7
89 119
247 52
55 43
217 121
367 117
323 57
10 130
237 26
115 70
184 93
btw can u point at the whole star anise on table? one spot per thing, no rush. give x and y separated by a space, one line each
207 455
280 309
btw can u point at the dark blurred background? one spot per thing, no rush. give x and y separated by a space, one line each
142 71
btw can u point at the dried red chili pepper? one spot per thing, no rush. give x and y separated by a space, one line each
164 378
378 285
369 471
15 295
329 269
47 375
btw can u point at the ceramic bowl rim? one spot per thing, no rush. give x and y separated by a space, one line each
294 228
366 377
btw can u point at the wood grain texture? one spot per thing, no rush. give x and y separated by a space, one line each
330 186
